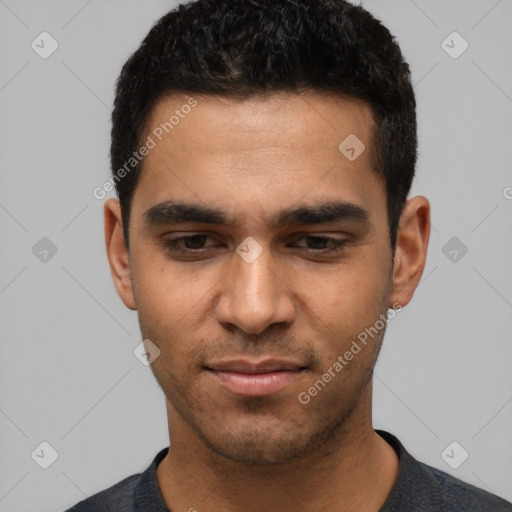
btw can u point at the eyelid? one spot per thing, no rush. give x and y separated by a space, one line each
295 236
169 241
335 245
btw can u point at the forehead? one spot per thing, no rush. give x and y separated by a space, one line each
261 152
276 121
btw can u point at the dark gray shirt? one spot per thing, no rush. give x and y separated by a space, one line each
418 488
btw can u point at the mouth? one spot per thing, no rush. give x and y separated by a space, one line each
249 378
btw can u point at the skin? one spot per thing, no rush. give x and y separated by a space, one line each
255 157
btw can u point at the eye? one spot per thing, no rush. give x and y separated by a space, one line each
186 244
196 244
319 244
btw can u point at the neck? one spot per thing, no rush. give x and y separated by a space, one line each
355 471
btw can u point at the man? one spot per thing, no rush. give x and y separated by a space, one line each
263 153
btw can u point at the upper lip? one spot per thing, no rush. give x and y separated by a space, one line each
264 366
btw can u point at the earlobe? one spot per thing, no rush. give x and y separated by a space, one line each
411 249
117 252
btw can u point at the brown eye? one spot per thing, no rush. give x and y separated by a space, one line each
186 244
323 244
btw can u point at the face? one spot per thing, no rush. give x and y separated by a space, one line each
258 253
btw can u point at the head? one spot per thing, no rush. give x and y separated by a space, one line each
245 49
280 138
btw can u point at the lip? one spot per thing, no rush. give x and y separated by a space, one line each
255 367
249 378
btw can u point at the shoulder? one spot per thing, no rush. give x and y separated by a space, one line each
420 487
457 495
118 498
133 494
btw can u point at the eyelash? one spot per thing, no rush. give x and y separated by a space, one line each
173 244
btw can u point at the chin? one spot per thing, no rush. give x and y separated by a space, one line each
258 441
257 450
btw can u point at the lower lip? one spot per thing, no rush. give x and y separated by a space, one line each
259 384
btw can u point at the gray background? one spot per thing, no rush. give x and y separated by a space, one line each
68 375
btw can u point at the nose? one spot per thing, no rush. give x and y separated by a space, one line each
254 295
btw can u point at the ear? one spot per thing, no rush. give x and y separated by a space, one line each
117 252
411 249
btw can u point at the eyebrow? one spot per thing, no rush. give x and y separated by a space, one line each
178 212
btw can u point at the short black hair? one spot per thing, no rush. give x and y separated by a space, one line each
245 48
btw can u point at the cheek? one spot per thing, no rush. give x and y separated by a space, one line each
346 301
167 291
171 302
